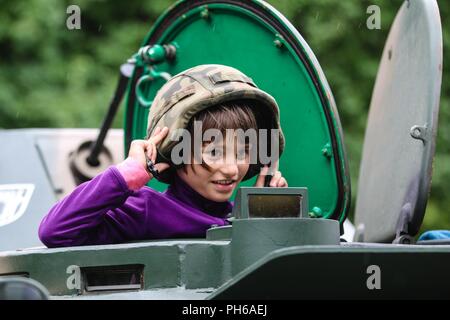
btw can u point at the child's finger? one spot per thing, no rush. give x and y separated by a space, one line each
156 138
262 175
157 130
154 152
282 183
160 135
162 166
136 146
138 142
149 150
276 177
151 138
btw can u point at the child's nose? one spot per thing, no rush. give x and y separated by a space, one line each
229 169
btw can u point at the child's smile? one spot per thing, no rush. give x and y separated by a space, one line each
217 184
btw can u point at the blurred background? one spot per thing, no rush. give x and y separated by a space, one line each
52 77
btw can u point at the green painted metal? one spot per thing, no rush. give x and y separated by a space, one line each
217 32
252 239
219 233
144 81
167 264
206 265
192 269
344 272
316 212
187 264
156 53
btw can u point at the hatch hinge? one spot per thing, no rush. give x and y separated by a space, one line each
402 235
420 133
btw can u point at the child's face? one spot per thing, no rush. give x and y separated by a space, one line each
228 164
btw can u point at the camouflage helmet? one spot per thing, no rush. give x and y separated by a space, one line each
197 89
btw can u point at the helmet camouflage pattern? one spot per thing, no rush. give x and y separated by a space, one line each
201 87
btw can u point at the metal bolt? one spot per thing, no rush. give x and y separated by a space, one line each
171 51
326 150
204 13
316 213
278 42
419 132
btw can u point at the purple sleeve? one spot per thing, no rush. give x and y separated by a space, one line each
94 213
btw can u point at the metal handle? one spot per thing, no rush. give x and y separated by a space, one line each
145 79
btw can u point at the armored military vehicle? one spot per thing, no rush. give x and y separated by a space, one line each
292 248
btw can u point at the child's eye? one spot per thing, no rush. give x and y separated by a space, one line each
214 153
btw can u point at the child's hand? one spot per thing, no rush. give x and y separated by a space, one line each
277 180
139 148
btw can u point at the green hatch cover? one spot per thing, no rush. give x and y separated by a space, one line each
258 40
399 144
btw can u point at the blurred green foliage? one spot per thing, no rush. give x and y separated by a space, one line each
53 77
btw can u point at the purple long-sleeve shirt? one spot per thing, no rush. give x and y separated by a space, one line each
105 210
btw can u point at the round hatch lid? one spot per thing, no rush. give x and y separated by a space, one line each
395 173
255 38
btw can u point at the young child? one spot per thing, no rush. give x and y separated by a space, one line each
117 206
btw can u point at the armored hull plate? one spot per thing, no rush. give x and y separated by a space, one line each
399 144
